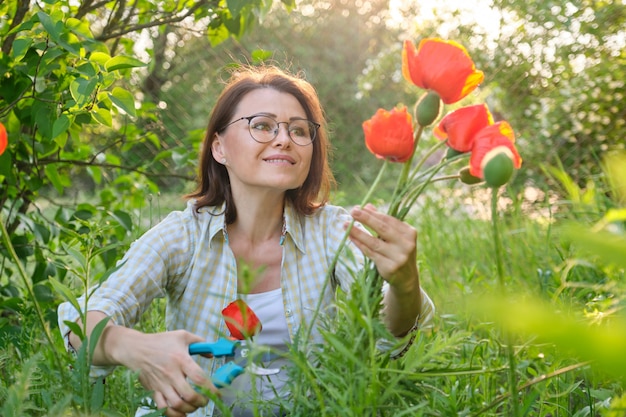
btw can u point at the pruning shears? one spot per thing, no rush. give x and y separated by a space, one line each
238 358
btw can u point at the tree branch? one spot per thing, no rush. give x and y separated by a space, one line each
168 19
47 161
20 13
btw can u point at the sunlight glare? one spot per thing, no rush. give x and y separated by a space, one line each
479 12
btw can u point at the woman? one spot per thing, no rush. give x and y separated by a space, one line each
261 206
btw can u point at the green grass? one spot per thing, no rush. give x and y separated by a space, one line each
460 368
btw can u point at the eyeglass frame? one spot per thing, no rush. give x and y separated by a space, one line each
249 119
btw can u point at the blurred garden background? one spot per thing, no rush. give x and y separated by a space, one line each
105 103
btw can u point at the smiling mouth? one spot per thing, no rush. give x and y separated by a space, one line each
279 161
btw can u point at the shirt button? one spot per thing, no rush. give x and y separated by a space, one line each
288 313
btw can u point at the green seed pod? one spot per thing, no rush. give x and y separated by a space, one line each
466 178
498 170
427 108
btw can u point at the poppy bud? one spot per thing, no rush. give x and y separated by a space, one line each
466 178
497 169
451 153
241 320
427 108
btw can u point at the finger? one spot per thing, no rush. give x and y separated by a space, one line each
177 403
162 403
159 399
385 226
197 377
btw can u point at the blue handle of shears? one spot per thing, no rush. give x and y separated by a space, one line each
225 374
223 347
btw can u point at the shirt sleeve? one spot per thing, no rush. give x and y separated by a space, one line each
149 269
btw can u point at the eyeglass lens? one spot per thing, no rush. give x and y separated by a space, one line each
265 129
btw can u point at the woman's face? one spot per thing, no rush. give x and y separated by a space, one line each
279 164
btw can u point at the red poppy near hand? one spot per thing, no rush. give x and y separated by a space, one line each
241 320
4 141
389 134
460 126
491 140
442 66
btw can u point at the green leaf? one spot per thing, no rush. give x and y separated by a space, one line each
97 394
76 254
43 293
75 327
236 6
124 100
162 155
261 55
54 28
80 27
65 292
217 34
60 182
81 90
102 116
96 173
60 125
124 219
95 335
122 62
99 58
20 47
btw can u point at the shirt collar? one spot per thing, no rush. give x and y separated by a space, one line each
292 222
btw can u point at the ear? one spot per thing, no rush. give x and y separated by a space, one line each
217 149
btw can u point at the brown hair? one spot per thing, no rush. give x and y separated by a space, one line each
213 187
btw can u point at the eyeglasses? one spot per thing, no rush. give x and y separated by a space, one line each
264 129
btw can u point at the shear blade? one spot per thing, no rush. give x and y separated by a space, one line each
257 370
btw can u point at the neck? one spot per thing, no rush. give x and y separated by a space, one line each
258 223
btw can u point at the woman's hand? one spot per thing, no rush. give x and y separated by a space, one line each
164 365
393 249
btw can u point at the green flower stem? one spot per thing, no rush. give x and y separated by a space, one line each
446 178
412 194
428 154
404 175
366 200
31 293
507 336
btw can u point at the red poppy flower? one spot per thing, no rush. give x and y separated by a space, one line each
4 141
389 134
461 125
493 140
442 66
241 320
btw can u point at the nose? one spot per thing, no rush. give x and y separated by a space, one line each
283 138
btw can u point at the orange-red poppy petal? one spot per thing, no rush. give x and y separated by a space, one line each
461 125
241 320
389 134
4 140
442 66
496 138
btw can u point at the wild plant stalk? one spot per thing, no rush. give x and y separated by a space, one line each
331 268
508 337
31 294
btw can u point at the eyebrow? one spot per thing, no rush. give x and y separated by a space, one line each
272 115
